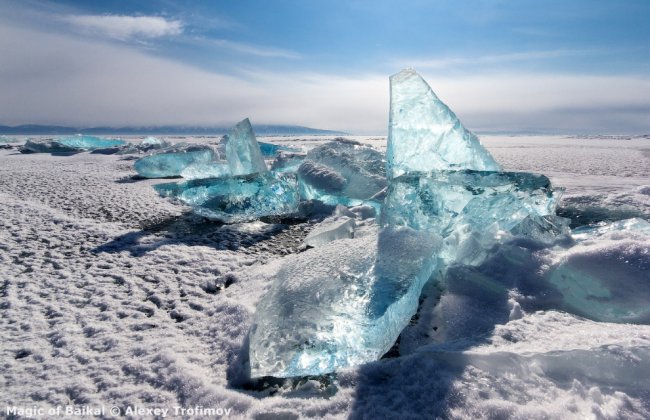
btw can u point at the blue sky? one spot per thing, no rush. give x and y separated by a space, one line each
579 66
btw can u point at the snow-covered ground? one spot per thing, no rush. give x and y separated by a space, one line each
112 296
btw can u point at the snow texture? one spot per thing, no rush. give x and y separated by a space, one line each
111 295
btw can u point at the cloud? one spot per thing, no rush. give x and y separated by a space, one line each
51 78
255 50
449 62
124 28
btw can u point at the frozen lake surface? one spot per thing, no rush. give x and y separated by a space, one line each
111 295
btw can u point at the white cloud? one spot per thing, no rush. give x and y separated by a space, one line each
47 78
256 50
523 56
125 27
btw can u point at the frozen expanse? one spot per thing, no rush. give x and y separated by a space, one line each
111 295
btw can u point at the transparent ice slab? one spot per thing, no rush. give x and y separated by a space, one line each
341 304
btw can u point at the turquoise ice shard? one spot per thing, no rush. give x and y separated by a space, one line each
237 199
172 161
425 135
242 150
341 304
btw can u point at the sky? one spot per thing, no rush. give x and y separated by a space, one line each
580 66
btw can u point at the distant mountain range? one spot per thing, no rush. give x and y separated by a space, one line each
260 130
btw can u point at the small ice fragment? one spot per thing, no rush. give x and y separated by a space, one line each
331 229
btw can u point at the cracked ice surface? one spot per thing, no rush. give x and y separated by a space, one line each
425 135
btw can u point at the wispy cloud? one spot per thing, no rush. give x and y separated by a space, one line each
125 28
256 50
524 56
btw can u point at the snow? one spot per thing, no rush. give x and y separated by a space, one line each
113 295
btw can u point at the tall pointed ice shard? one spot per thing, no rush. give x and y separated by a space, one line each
425 135
243 152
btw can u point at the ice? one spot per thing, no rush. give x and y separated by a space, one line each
206 170
242 150
341 304
473 210
606 275
242 153
287 161
172 161
5 139
338 226
89 142
146 145
346 302
425 135
342 172
69 144
237 199
47 146
270 150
